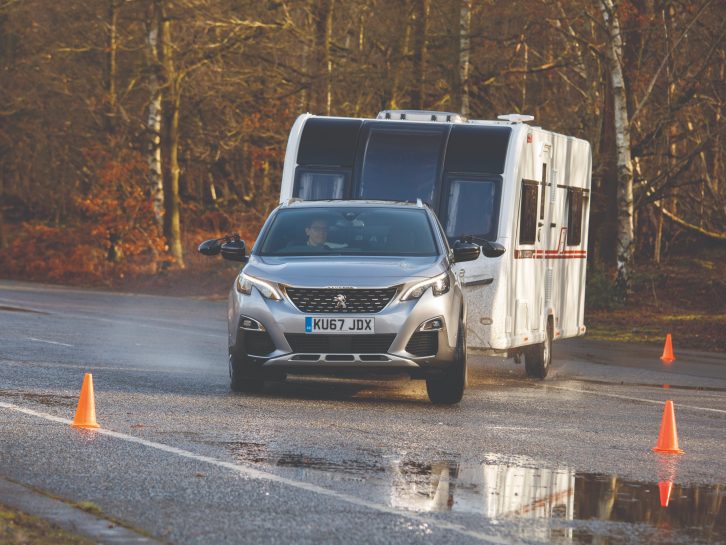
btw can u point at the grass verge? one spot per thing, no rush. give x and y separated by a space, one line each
18 528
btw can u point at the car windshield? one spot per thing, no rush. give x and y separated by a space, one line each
355 230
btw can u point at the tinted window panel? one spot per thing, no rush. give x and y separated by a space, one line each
401 166
574 217
528 213
477 149
473 209
318 186
329 142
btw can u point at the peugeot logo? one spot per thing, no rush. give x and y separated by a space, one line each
339 302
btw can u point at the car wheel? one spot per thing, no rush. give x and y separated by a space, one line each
538 358
448 388
242 377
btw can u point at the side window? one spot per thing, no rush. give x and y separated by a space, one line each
574 217
528 212
320 185
472 208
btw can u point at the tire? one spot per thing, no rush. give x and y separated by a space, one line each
537 359
242 377
448 388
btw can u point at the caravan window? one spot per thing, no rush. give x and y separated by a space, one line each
528 212
401 165
312 185
574 217
472 208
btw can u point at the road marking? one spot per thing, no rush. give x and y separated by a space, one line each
257 474
642 400
48 342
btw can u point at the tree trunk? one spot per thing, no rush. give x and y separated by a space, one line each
420 34
658 236
115 251
525 59
170 101
153 120
3 237
625 232
394 61
461 74
323 68
112 50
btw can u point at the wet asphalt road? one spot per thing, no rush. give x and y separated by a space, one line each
566 460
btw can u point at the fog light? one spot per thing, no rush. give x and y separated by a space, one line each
433 324
250 324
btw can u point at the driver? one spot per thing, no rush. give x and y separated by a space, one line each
317 233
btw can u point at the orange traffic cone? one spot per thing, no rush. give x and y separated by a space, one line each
665 488
668 436
668 356
86 411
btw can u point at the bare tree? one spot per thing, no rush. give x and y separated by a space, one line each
625 231
461 97
420 55
153 119
323 66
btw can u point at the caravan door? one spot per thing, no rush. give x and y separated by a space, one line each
533 238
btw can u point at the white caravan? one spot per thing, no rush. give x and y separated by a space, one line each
498 182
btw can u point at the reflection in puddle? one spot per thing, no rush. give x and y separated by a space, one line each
515 489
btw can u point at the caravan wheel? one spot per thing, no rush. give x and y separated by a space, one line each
537 359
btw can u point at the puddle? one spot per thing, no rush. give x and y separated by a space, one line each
50 400
554 505
20 309
651 385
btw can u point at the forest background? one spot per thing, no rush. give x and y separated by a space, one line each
130 130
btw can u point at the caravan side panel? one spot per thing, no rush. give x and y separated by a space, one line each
288 170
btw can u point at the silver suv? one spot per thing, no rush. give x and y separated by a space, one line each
348 288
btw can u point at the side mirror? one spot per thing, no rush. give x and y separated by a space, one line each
210 247
234 250
465 251
493 249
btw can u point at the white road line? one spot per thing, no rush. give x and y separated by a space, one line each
49 342
642 400
253 473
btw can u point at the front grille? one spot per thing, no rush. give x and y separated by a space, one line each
258 343
340 344
423 343
318 300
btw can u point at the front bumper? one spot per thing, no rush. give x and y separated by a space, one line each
399 345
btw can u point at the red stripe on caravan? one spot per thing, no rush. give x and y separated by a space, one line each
550 254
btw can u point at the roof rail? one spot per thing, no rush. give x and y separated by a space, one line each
419 203
421 115
292 200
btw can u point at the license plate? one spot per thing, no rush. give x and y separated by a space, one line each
348 326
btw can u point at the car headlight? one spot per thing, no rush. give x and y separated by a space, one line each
267 290
439 285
